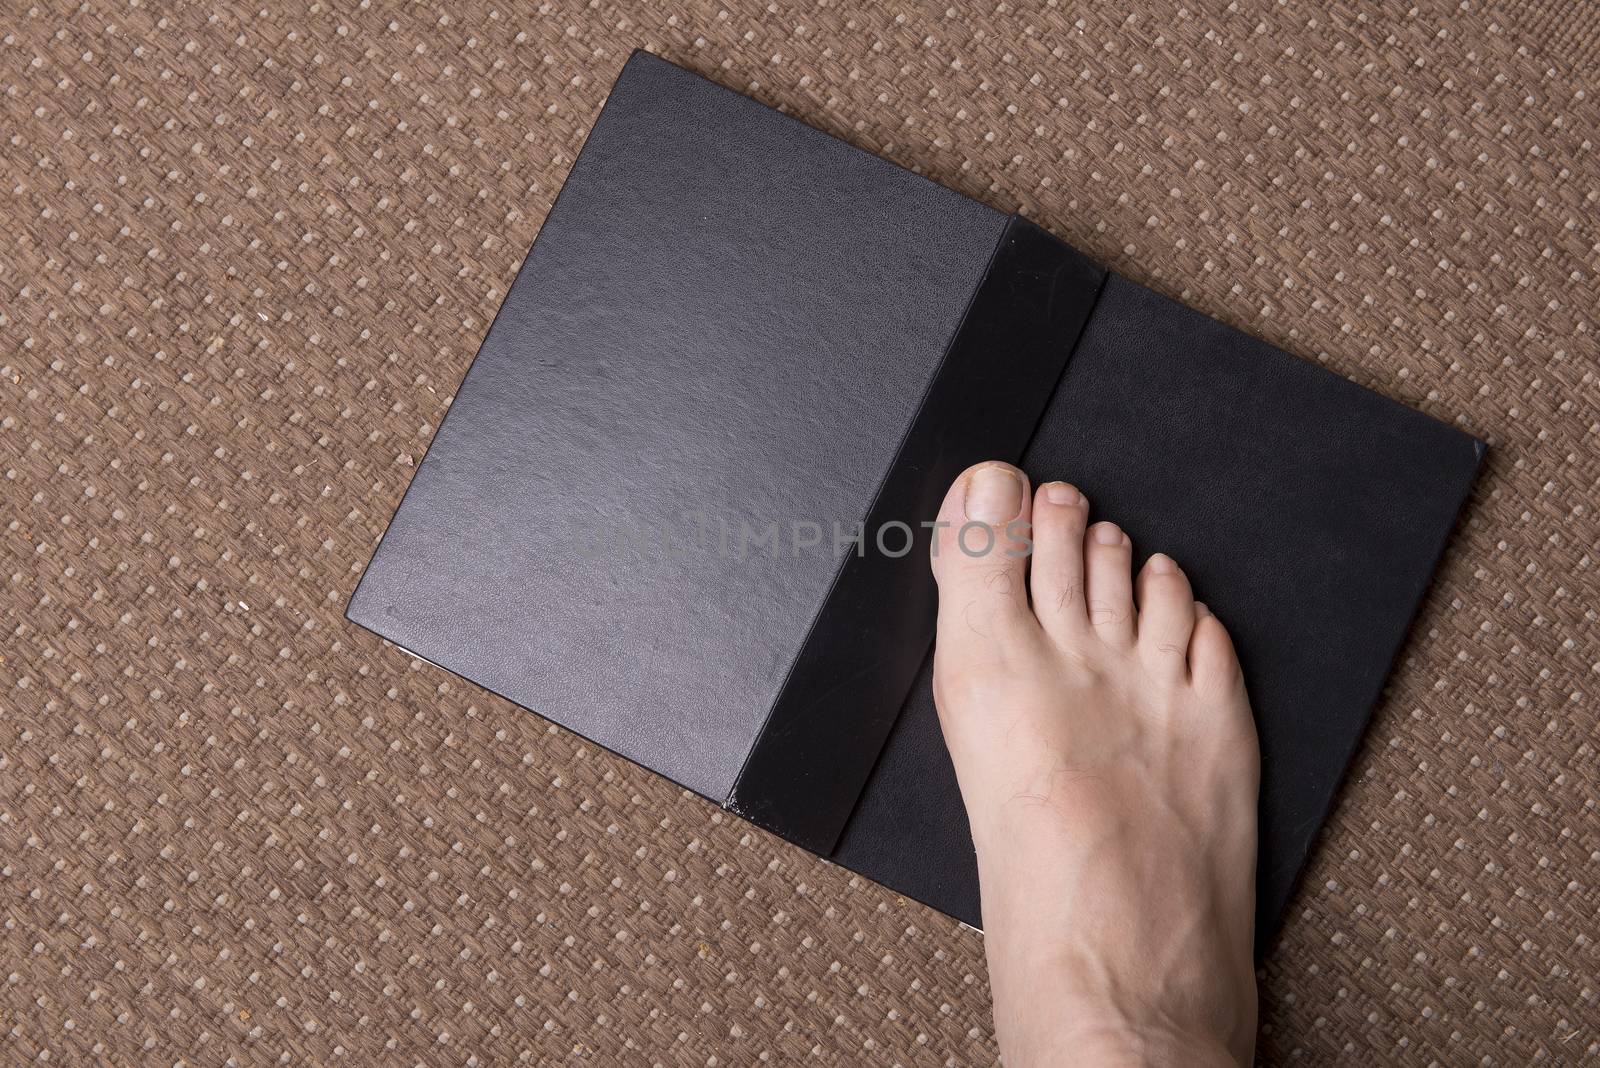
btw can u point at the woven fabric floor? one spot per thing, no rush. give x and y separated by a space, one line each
249 250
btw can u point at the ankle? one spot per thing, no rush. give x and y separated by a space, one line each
1113 1013
1121 1045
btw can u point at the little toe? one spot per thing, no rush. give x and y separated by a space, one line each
1056 577
1213 664
1166 615
1108 583
980 553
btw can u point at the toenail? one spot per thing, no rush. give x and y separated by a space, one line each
1061 493
1162 564
1107 534
994 495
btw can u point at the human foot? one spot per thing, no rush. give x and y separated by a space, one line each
1107 758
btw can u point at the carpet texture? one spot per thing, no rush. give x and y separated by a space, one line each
248 252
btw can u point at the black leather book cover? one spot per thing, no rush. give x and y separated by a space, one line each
676 504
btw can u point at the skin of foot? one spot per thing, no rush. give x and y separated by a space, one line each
1107 758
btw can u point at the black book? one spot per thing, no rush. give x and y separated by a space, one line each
676 505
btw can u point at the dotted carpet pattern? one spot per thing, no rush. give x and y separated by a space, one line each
249 249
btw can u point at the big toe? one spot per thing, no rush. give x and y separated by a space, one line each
980 552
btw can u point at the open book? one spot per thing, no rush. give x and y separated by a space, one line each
679 504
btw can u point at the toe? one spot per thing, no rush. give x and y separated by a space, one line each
1108 583
1056 579
1166 615
1213 665
980 552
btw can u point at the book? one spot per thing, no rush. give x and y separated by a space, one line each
680 502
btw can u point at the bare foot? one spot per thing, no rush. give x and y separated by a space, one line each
1107 757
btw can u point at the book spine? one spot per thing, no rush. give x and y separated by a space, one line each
810 762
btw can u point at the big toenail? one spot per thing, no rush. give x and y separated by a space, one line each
1162 565
994 495
1107 534
1061 493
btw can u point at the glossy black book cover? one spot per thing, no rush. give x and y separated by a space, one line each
737 345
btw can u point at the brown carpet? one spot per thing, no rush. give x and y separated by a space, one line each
250 249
